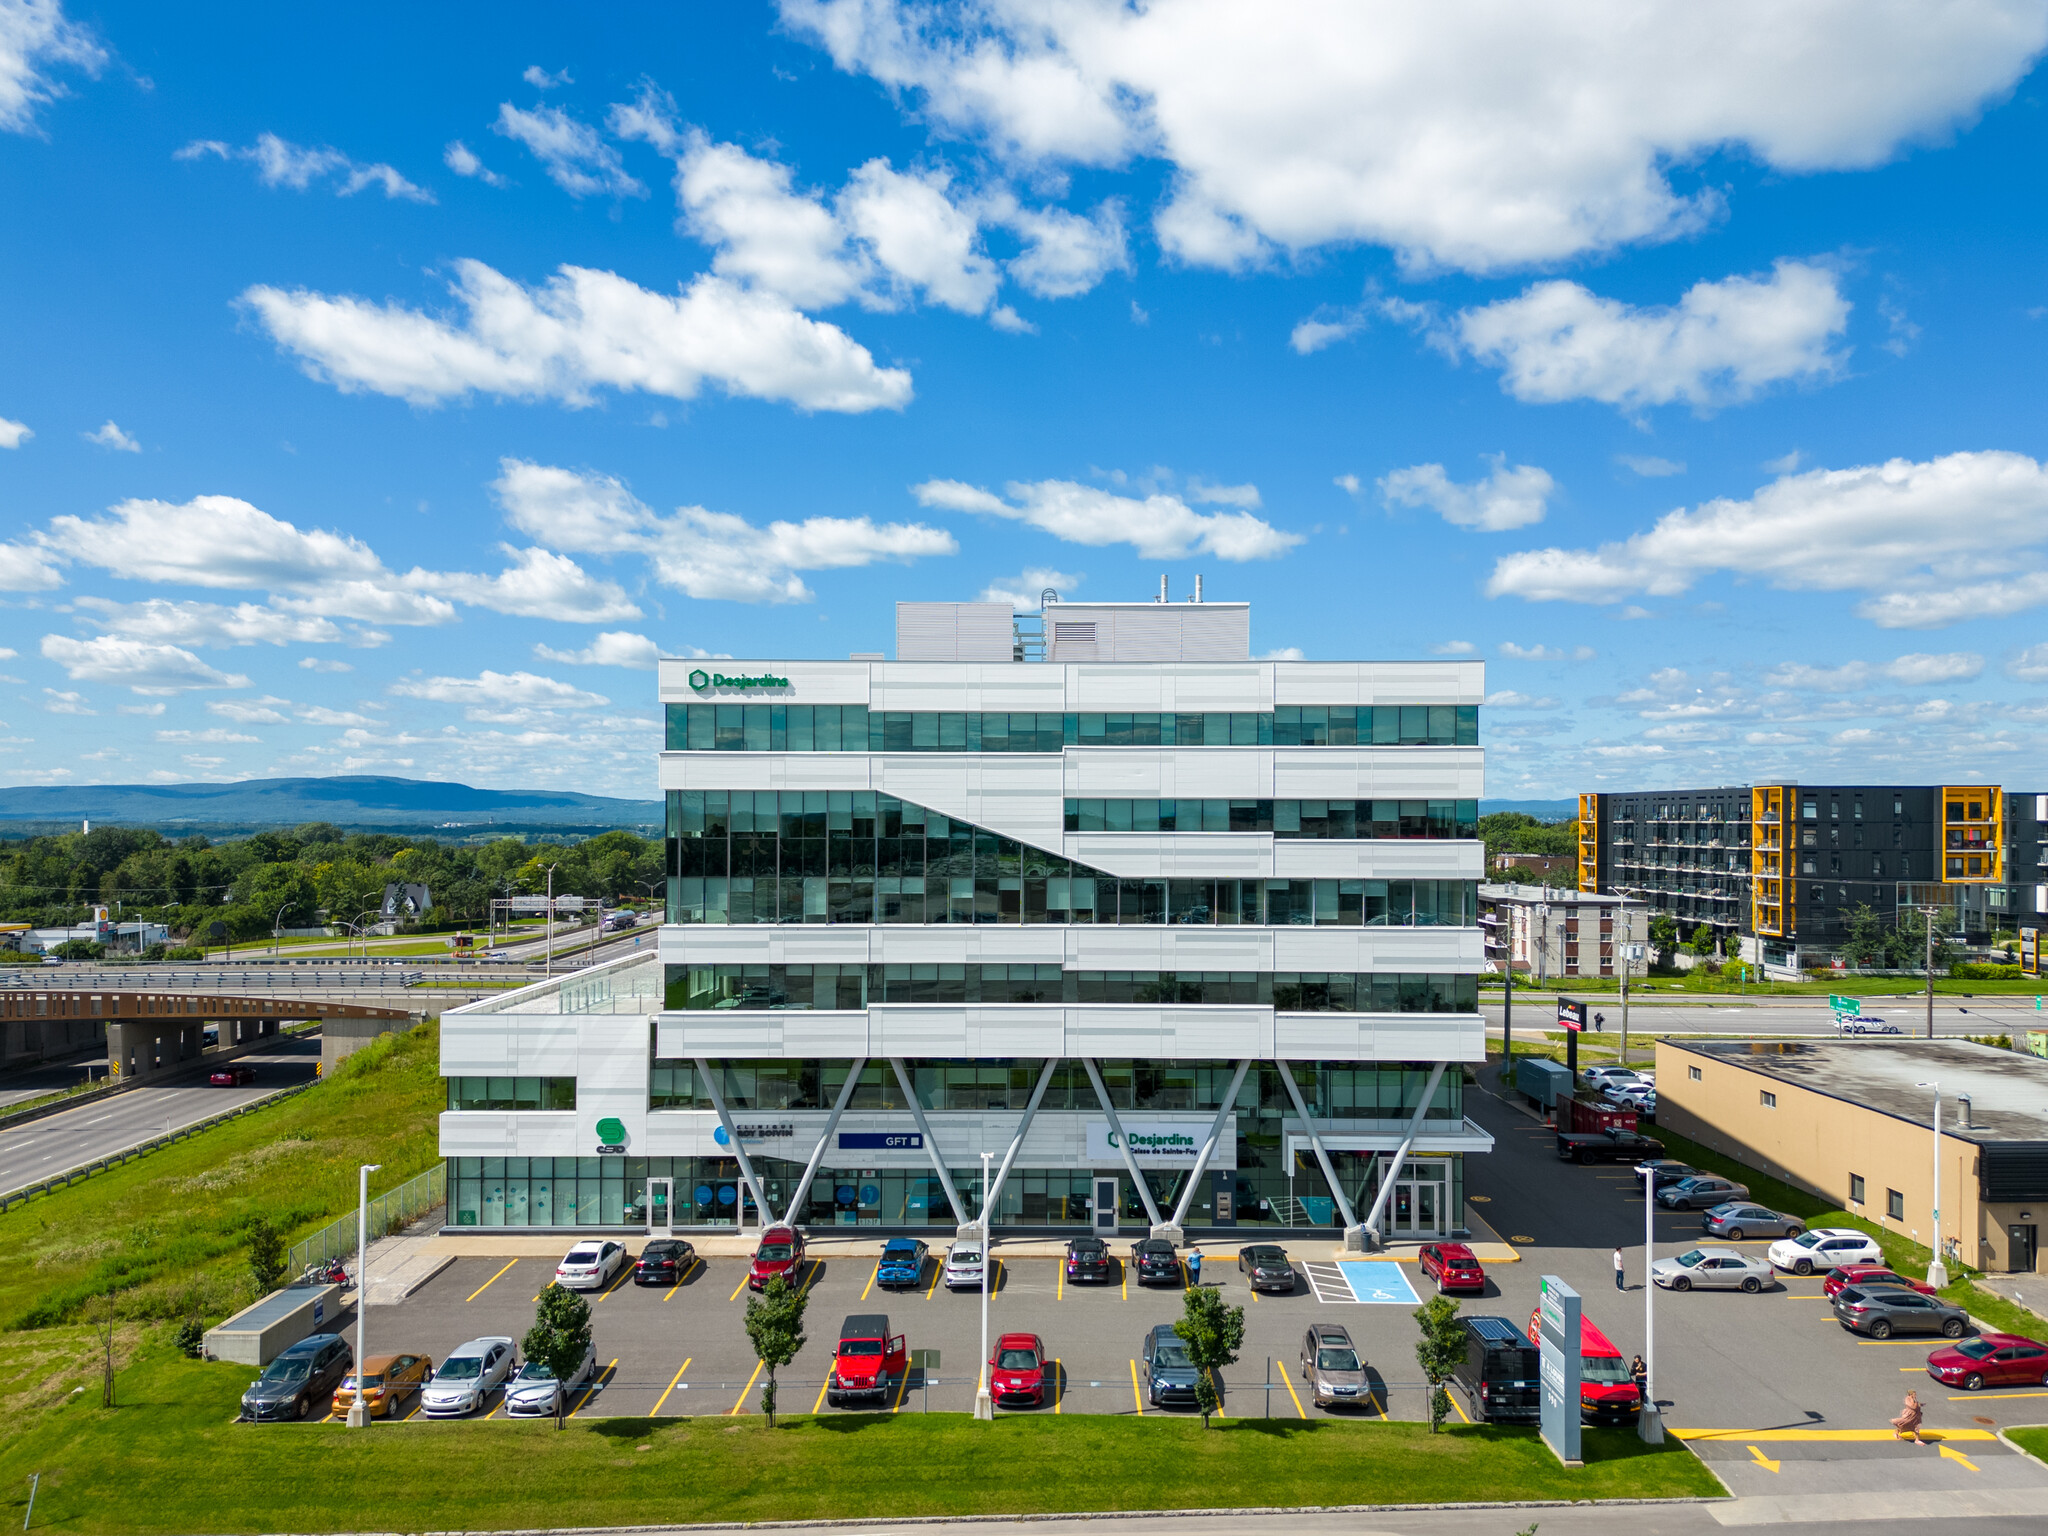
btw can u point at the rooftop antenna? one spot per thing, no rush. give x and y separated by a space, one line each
1162 586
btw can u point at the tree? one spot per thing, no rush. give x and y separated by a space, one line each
103 1328
1702 943
266 1254
1212 1334
559 1337
1440 1350
1867 941
1663 933
1907 943
775 1322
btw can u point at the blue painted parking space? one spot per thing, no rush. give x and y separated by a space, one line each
1378 1282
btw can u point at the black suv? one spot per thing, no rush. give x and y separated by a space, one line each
1499 1372
1155 1261
1087 1259
300 1383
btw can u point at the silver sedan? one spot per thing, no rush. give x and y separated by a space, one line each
1712 1269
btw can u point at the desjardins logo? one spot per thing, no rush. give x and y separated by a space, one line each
702 680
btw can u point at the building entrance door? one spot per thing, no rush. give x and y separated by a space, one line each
1104 1213
1418 1209
2021 1248
660 1200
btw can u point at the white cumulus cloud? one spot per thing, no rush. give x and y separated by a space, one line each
463 161
36 38
492 695
140 665
13 433
1159 527
111 436
1507 498
1928 543
1024 591
281 163
612 648
537 585
581 331
1457 133
702 553
573 153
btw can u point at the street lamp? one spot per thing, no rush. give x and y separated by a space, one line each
1649 1427
1929 913
1937 1272
359 928
359 1409
277 923
984 1399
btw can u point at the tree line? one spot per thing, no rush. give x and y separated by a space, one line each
300 878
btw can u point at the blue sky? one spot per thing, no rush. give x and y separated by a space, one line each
381 397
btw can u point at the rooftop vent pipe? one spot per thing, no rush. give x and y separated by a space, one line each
1198 589
1964 1100
1162 586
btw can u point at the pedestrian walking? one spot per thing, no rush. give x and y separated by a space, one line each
1907 1425
1639 1372
1618 1283
1599 1023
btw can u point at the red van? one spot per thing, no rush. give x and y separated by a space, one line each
1607 1393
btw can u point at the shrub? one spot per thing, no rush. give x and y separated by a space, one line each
1979 970
190 1338
184 952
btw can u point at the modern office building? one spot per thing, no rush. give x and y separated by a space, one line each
1855 1122
1087 921
1777 869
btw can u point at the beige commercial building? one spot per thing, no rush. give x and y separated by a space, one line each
1854 1122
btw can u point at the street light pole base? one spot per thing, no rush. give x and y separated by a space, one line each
358 1416
1650 1425
984 1405
1937 1275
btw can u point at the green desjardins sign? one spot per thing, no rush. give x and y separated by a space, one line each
701 680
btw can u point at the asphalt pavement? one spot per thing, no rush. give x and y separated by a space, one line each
1661 1519
92 1130
1953 1016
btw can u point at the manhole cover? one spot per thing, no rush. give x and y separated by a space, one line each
1982 1420
1480 1199
1518 1238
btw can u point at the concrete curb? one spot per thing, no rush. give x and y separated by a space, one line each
873 1521
2020 1450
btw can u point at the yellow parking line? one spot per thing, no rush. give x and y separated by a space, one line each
1059 1291
472 1296
1124 1270
590 1389
1217 1387
1136 1396
820 1403
656 1409
1059 1383
624 1275
1991 1397
741 1405
1287 1376
1895 1344
871 1281
735 1296
815 1265
938 1269
1823 1434
688 1270
903 1385
1454 1403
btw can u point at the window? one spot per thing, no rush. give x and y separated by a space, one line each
1855 1189
1768 1099
511 1092
1895 1205
1693 1074
1898 807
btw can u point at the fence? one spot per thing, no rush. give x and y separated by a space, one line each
389 1212
116 1159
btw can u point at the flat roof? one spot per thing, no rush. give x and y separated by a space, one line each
1534 895
2008 1090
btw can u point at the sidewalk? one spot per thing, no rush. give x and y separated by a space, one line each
2029 1291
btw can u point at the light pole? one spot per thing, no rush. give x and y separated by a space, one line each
1648 1425
984 1398
357 925
550 924
359 1409
276 923
1937 1272
1928 914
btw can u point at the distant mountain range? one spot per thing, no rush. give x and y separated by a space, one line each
356 803
1542 810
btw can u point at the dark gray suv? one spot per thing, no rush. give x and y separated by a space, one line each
1169 1374
300 1383
1881 1311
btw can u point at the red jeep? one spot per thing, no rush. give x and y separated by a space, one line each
867 1357
781 1253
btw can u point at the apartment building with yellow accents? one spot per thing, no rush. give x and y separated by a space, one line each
1777 869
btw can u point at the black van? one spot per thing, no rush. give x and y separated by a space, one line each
1499 1372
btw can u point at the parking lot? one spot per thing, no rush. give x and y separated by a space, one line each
1768 1387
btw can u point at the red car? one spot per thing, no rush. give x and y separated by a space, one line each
1869 1274
1016 1371
781 1253
231 1077
1990 1360
1452 1267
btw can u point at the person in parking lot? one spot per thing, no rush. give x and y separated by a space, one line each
1907 1425
1619 1284
1641 1373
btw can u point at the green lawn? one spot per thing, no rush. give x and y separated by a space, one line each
168 1459
2033 1440
1664 990
166 1233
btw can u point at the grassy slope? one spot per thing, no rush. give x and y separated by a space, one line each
165 1233
1662 989
172 1437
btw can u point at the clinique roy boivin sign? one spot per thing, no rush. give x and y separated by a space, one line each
702 680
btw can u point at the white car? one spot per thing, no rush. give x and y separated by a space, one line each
1712 1269
467 1377
1864 1024
590 1266
534 1391
1825 1248
1600 1077
964 1267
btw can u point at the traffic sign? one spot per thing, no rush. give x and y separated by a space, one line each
1845 1007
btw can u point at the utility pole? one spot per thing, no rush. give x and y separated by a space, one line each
1507 1016
1928 914
984 1395
550 970
1937 1271
359 1409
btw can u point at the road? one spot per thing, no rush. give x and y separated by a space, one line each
56 1142
1953 1016
1687 1519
